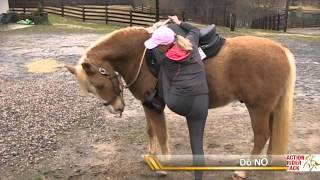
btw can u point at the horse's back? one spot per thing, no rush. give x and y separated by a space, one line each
247 68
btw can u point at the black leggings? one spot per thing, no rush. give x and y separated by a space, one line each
195 109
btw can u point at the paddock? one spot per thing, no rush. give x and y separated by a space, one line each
48 131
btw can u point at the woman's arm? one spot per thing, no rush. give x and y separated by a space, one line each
193 33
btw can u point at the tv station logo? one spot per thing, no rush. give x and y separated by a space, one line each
303 163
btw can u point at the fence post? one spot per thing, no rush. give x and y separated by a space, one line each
233 21
224 14
83 13
183 16
157 11
274 22
278 22
24 6
213 16
286 16
62 8
302 19
142 7
106 14
130 17
270 22
265 20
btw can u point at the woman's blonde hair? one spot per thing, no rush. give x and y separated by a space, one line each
184 43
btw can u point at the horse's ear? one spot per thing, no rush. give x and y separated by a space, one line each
88 68
71 68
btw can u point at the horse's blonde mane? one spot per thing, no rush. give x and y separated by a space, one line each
116 33
121 32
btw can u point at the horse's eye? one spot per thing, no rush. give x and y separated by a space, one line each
103 71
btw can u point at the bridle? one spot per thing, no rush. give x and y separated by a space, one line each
116 76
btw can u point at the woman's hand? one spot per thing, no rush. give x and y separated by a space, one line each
174 19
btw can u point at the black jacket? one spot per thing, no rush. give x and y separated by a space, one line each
186 77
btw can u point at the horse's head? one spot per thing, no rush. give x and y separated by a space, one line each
104 83
118 52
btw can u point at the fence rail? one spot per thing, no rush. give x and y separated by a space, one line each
92 13
302 19
274 22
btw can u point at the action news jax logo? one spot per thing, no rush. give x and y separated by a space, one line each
303 163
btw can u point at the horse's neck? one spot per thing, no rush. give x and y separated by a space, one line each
127 64
128 67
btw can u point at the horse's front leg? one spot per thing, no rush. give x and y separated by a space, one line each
156 127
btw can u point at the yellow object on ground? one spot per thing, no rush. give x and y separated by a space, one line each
43 66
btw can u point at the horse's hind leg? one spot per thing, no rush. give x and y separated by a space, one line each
260 120
270 139
156 125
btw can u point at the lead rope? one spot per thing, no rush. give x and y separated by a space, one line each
140 65
133 81
144 53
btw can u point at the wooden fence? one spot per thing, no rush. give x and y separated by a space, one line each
274 22
107 14
302 19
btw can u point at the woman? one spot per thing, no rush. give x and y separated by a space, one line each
182 80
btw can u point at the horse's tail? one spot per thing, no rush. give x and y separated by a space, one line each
282 114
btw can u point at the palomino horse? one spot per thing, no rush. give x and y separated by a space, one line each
253 70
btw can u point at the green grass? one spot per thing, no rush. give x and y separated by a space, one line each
73 23
58 24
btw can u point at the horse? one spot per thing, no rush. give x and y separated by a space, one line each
253 70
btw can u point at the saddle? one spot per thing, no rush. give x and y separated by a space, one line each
210 42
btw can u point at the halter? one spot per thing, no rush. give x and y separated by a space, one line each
116 75
117 92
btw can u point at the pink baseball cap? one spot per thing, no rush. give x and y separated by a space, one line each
163 35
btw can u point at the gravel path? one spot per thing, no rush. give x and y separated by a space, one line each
48 131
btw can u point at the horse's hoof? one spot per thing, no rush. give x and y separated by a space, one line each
239 175
161 173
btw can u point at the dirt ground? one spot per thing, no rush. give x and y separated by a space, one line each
48 131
